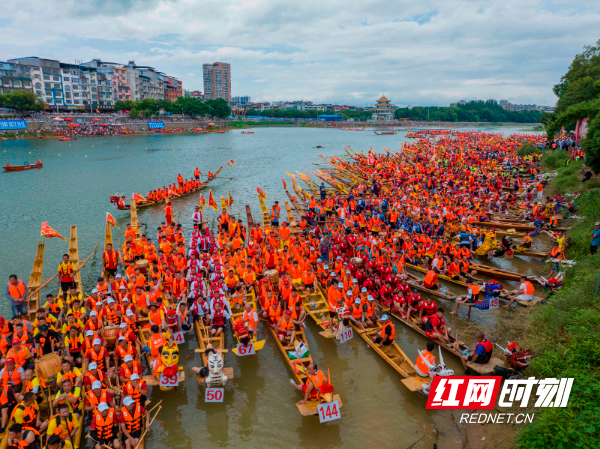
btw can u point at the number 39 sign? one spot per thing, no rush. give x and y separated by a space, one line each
169 381
329 411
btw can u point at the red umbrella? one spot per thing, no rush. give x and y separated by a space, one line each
95 119
68 119
126 112
103 124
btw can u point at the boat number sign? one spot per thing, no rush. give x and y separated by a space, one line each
214 395
494 303
179 338
169 381
346 335
244 350
156 125
329 411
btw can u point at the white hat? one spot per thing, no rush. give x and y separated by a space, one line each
355 281
110 301
129 312
93 313
96 384
128 401
370 298
121 338
103 406
363 290
125 298
597 223
348 272
89 333
95 291
128 358
341 285
123 324
326 267
123 286
118 275
93 365
97 341
135 376
349 292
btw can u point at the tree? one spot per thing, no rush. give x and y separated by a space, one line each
21 100
219 108
40 105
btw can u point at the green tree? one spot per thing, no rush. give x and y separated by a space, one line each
21 100
40 105
219 108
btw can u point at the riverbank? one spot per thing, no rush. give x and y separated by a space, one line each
563 334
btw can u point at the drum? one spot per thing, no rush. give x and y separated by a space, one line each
382 234
110 335
273 275
356 261
229 245
142 264
48 365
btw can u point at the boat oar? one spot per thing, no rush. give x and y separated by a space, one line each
157 404
144 434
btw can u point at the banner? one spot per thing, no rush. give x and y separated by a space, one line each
156 125
13 124
581 129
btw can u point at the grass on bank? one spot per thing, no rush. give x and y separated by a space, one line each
26 135
564 333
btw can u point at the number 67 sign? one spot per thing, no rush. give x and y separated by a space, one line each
329 411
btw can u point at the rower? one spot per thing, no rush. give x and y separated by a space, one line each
104 427
385 336
315 379
131 418
425 361
525 292
482 354
431 280
471 298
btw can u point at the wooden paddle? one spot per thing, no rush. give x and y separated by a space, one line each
147 428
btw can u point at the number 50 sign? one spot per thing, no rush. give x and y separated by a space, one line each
329 411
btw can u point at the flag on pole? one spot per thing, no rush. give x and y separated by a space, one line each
284 184
137 197
49 233
202 201
230 201
291 175
111 220
261 193
232 162
211 201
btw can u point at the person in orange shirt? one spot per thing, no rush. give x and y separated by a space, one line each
168 213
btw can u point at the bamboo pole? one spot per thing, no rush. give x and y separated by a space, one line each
147 428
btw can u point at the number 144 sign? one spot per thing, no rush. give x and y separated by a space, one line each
329 411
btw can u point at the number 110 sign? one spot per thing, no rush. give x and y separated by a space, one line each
329 411
346 335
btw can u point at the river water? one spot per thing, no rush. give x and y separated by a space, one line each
258 410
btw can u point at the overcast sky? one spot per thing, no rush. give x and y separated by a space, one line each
427 52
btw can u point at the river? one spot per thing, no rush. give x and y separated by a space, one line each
258 410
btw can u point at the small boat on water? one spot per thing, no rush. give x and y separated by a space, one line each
9 167
386 133
247 132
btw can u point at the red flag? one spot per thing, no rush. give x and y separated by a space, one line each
261 193
110 219
284 184
211 201
230 201
232 162
224 201
49 233
202 201
137 197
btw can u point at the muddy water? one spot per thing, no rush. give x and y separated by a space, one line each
258 409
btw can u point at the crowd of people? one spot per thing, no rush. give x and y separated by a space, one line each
418 207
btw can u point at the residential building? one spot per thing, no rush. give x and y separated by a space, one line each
46 78
15 76
217 81
384 110
121 88
196 94
71 81
174 89
245 99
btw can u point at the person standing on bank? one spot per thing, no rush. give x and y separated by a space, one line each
595 238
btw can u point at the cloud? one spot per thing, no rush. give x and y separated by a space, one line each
431 52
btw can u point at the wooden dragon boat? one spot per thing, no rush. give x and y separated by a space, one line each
21 167
298 368
511 225
205 340
393 355
147 203
236 312
456 348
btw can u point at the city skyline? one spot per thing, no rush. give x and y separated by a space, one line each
430 54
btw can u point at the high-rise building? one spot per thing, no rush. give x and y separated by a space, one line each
244 99
217 81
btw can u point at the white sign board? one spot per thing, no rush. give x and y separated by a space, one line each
244 350
329 411
214 395
169 381
346 335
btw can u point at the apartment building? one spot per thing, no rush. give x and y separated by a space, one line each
46 78
15 76
196 94
174 89
217 81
